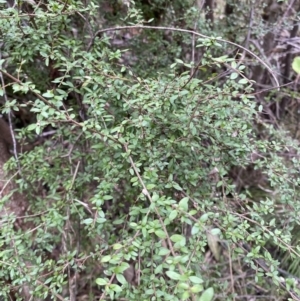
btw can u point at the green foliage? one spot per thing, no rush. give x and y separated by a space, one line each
134 189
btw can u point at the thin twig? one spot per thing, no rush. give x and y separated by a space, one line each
34 92
147 194
185 31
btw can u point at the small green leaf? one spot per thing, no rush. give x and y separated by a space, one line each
160 233
272 222
155 197
173 215
38 129
233 75
173 275
243 81
106 258
101 281
207 295
183 204
179 61
150 186
158 269
204 218
87 221
177 238
48 94
31 127
196 279
177 187
121 278
196 288
116 288
117 246
195 229
185 295
163 252
221 59
183 285
121 268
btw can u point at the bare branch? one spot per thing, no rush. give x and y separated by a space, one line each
190 32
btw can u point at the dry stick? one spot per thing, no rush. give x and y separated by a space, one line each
270 89
34 92
186 31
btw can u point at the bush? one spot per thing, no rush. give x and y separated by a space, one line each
131 195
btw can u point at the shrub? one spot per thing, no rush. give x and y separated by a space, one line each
131 195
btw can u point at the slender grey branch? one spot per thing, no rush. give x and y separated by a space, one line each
185 31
